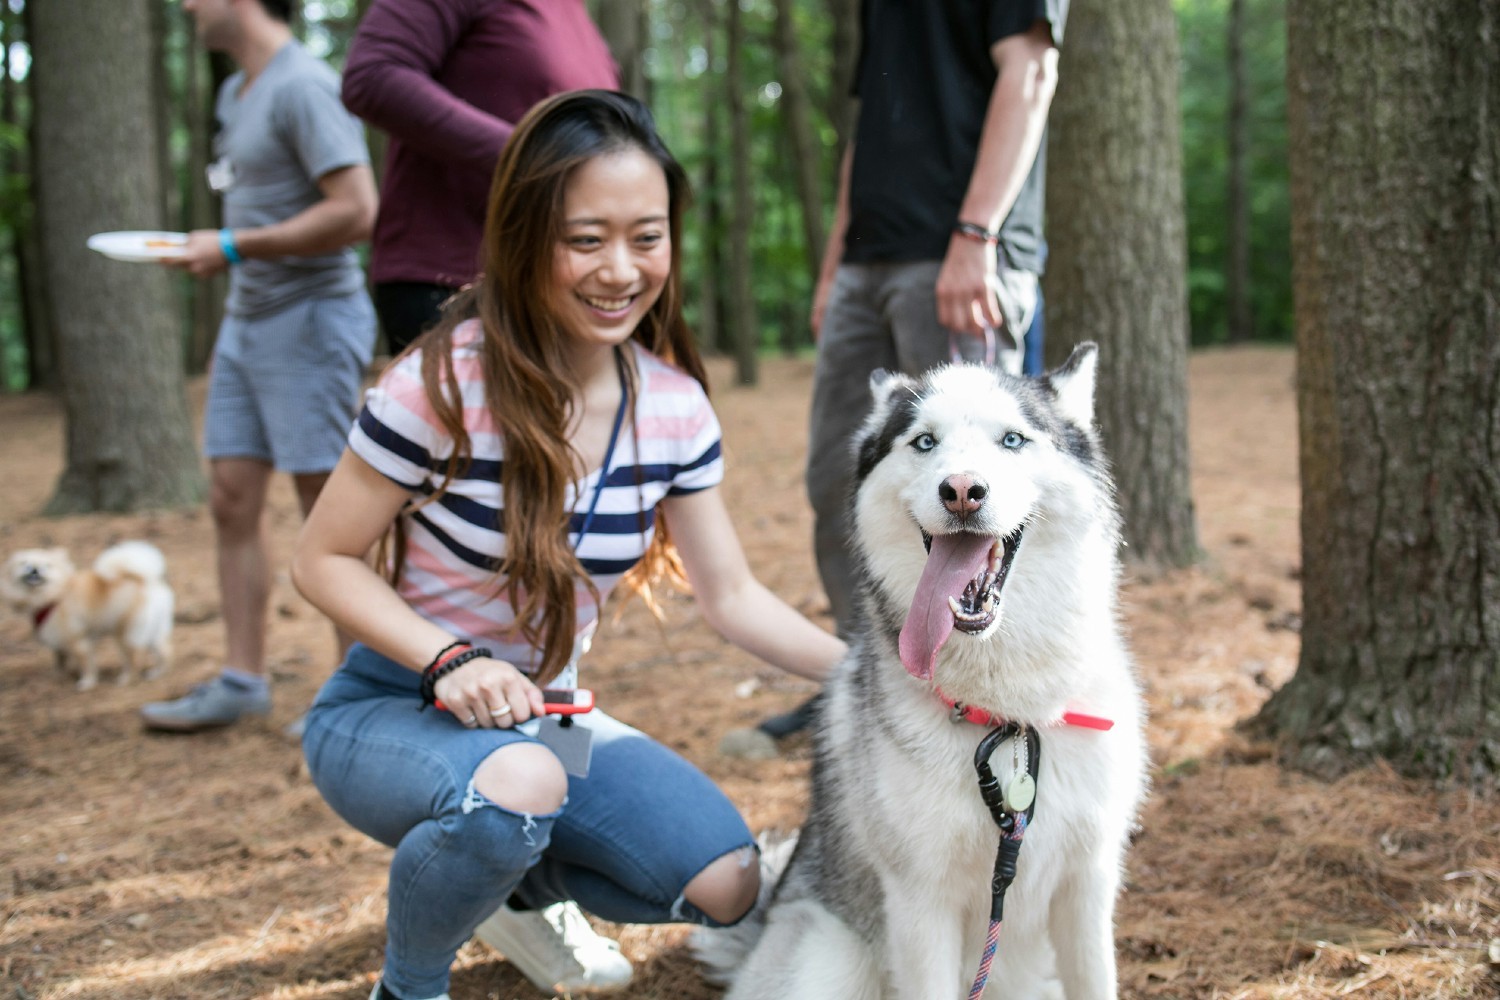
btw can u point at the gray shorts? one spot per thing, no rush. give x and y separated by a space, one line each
284 387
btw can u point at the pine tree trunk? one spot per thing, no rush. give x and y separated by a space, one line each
839 108
202 210
623 24
1395 185
797 117
129 439
744 330
36 305
1237 280
709 201
1117 270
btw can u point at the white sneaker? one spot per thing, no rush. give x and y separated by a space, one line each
556 948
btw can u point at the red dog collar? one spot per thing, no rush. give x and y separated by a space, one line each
981 717
40 615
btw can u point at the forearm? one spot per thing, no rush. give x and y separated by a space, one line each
1012 133
833 250
321 228
363 604
765 626
390 81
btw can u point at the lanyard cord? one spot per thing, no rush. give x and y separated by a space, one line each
609 452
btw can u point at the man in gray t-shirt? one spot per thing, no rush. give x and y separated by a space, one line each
293 170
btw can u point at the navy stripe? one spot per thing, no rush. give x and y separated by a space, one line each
405 448
468 555
607 567
385 437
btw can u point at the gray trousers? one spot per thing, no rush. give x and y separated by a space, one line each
881 316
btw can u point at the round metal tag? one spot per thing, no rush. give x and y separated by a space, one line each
1020 793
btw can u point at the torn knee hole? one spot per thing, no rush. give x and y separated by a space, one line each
523 778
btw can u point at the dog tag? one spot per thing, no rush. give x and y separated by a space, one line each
1020 793
573 744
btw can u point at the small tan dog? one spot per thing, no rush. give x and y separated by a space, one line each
124 595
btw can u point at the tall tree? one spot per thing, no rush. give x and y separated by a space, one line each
129 438
1117 270
710 299
1237 280
806 153
625 26
36 304
1395 173
743 327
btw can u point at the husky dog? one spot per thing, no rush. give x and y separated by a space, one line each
124 595
985 523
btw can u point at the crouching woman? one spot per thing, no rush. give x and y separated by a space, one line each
550 439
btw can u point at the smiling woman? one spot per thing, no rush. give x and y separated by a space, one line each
517 462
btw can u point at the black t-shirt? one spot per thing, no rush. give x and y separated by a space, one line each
924 81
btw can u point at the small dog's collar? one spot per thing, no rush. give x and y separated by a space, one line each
40 615
959 712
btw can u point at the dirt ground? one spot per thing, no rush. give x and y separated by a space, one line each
143 866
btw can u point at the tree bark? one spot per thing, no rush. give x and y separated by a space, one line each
36 304
202 210
839 109
625 26
1117 271
1395 185
807 161
129 438
1237 280
744 329
711 322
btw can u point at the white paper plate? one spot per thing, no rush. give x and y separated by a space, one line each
139 245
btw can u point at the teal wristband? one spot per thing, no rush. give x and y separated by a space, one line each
226 244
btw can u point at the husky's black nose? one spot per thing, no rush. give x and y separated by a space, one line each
962 493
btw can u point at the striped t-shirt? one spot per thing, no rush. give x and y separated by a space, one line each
454 544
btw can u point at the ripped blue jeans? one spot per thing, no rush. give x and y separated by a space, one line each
625 844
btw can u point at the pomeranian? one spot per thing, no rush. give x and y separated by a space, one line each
124 595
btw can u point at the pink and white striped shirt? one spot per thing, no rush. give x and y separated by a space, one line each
455 543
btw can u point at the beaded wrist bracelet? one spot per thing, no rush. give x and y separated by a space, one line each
974 231
442 666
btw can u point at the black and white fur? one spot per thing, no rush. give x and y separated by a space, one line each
886 896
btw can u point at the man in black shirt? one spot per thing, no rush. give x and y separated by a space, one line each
937 241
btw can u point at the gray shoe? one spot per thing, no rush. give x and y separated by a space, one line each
217 703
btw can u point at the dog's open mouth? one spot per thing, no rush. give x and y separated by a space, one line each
959 589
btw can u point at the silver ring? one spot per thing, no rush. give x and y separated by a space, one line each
471 720
503 710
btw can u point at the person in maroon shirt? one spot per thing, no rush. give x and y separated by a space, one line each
447 80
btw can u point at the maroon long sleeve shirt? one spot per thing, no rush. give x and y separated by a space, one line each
447 80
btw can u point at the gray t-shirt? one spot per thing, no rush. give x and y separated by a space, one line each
275 140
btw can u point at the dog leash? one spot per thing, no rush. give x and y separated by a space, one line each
1012 808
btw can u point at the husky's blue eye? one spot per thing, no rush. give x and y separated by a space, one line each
1012 440
924 442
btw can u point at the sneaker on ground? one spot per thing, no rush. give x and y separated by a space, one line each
219 702
556 949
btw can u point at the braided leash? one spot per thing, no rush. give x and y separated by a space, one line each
1012 829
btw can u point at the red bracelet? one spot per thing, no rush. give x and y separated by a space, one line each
974 231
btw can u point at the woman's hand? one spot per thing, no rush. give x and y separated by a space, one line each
489 694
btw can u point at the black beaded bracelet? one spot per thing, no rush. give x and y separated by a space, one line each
438 671
976 232
438 656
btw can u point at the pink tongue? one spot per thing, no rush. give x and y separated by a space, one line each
953 561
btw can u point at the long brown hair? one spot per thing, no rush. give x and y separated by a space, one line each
529 387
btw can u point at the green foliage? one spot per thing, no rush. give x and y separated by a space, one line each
1203 31
685 63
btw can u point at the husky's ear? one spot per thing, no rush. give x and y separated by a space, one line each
884 383
1074 384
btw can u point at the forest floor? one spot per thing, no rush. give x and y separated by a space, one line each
135 865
